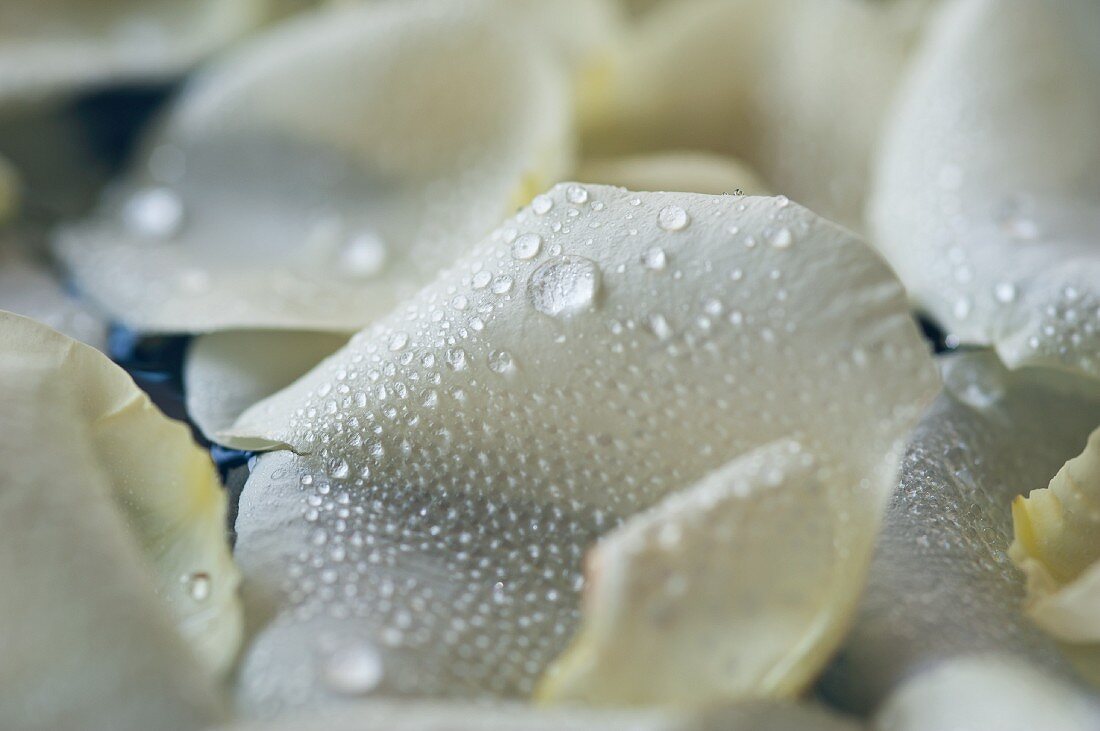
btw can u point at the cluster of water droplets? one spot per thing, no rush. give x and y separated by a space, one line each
463 454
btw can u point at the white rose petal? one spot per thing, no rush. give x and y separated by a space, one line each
986 196
119 591
941 585
674 609
796 88
224 373
455 460
987 692
276 195
50 47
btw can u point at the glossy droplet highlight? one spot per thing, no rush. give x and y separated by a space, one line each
197 586
564 286
655 259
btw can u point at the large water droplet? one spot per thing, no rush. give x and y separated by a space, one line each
501 361
564 285
542 204
672 218
154 213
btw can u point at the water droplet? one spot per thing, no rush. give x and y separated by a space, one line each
197 586
481 279
500 361
782 201
456 359
672 218
354 669
399 340
363 256
542 204
502 284
564 286
1005 292
576 194
154 213
655 259
782 239
659 326
526 246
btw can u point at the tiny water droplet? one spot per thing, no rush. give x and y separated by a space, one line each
659 326
782 239
542 204
672 218
1005 292
500 361
526 246
576 194
197 586
655 259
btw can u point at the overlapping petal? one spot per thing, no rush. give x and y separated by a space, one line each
119 592
797 88
275 195
691 172
941 585
597 353
986 194
50 47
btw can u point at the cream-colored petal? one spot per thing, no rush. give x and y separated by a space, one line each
227 372
422 715
941 585
31 289
51 47
1057 545
279 194
988 214
987 692
747 78
164 485
691 172
105 506
457 458
674 605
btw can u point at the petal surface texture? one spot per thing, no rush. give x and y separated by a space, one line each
987 213
941 585
276 196
120 597
598 352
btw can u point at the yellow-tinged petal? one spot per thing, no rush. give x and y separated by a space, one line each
93 547
1057 545
164 485
690 172
675 605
